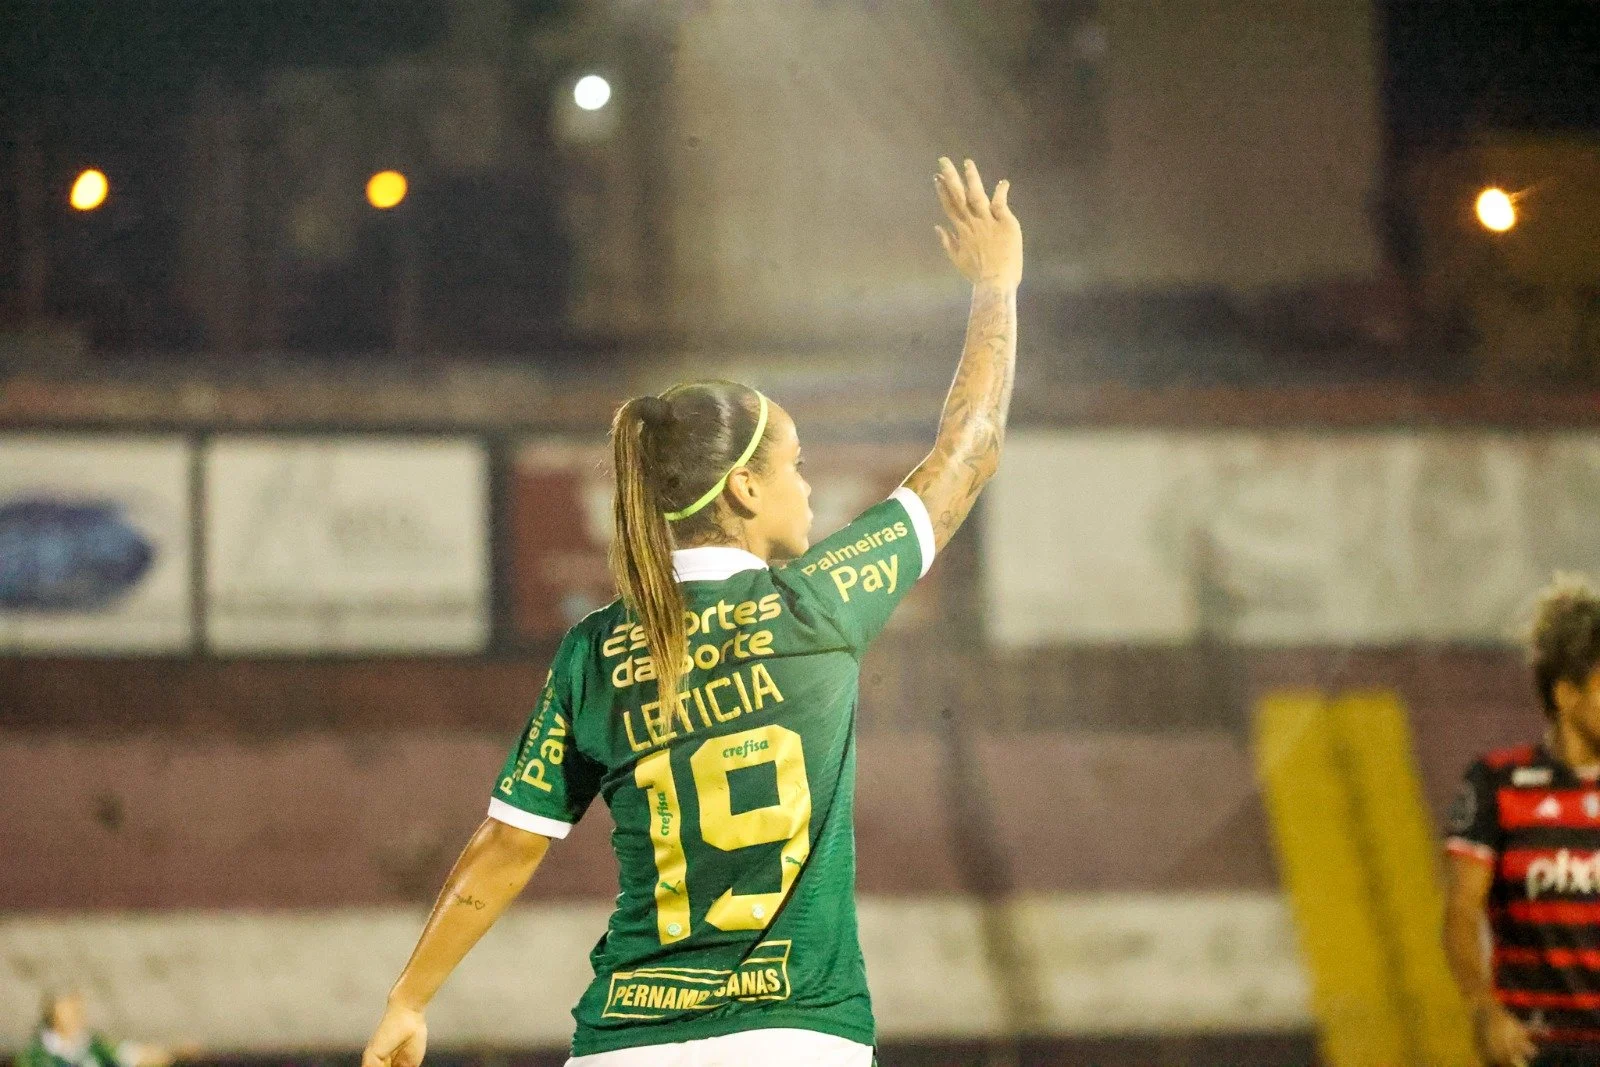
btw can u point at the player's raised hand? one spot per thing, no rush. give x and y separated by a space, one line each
984 240
399 1041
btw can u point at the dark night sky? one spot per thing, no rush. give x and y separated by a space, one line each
1520 64
1516 63
107 81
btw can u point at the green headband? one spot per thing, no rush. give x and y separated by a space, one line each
722 482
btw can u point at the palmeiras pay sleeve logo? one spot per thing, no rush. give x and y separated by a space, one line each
68 556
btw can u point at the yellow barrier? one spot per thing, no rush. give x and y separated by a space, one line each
1359 862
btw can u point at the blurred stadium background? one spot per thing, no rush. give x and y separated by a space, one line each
298 492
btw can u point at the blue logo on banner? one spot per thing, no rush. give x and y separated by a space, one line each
57 556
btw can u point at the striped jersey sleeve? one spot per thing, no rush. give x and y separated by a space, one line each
1473 825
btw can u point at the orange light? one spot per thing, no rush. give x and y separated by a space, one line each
1496 210
89 191
385 189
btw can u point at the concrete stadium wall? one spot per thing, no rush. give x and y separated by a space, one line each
259 981
317 819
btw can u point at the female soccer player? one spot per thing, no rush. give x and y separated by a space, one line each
713 706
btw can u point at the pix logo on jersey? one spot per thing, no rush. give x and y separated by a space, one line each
1564 873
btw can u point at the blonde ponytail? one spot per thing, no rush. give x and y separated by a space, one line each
641 547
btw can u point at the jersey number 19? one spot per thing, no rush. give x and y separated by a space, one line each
789 821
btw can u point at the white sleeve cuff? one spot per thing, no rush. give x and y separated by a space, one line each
919 522
1463 847
500 811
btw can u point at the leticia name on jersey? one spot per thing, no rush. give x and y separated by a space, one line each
745 692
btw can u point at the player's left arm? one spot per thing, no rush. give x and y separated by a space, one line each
1500 1036
543 789
494 867
1472 853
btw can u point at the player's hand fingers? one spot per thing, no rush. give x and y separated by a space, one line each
998 204
977 199
952 194
947 241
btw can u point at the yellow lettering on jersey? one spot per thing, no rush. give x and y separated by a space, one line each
682 713
844 579
710 690
833 557
700 705
633 743
761 683
744 694
754 685
883 575
658 725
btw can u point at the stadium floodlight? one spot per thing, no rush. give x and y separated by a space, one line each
591 92
1496 210
385 189
89 191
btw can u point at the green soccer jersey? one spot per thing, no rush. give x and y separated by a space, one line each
48 1050
734 833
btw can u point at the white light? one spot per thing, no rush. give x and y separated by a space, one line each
591 92
1497 210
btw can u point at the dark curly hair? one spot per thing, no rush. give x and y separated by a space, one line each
1564 638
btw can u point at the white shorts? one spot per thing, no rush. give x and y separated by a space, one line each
775 1047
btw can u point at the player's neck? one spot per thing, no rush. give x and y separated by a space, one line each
755 545
1573 748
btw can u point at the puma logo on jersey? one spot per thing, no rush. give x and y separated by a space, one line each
669 887
1564 873
884 575
791 859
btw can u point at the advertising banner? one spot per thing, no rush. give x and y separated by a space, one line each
1283 538
560 524
346 544
94 544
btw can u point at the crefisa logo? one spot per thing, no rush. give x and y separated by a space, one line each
60 555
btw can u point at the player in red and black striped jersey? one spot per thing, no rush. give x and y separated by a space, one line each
1524 853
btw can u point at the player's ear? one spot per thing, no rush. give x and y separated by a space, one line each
746 489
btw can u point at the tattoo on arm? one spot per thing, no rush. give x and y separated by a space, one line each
470 901
973 426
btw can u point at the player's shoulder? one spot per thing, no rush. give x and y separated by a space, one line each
599 623
587 638
1523 766
1502 759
